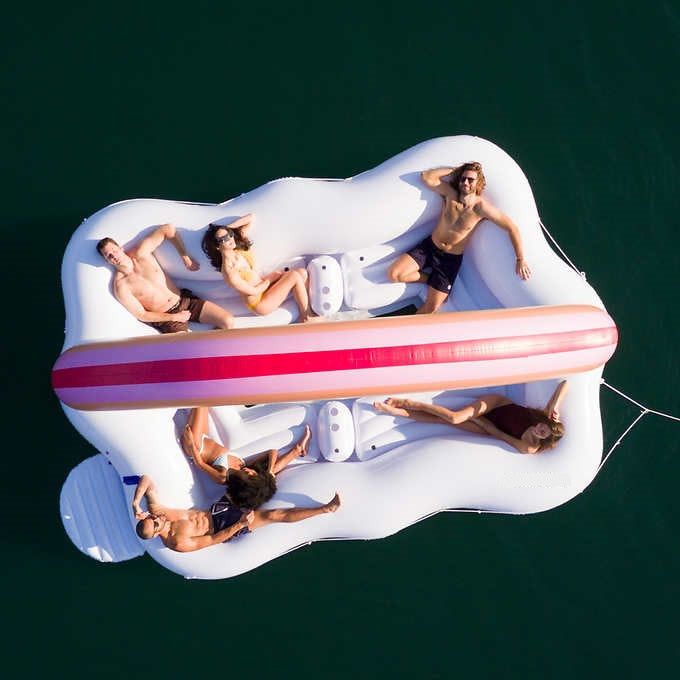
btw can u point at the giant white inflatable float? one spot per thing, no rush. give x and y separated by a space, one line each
127 389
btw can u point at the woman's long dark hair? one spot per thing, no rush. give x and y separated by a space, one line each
249 492
210 248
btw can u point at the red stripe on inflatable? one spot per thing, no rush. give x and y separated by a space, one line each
248 366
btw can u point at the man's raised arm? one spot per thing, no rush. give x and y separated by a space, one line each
145 488
157 236
437 180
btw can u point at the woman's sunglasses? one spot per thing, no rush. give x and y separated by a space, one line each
223 239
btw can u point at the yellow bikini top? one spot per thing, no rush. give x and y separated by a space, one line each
247 274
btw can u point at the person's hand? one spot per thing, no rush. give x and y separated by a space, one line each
139 513
182 316
191 264
522 269
247 519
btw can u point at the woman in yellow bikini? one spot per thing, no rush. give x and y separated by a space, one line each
228 249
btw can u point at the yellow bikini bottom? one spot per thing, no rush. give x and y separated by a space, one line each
252 305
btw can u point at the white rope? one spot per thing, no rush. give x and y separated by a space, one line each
620 439
562 253
643 413
644 410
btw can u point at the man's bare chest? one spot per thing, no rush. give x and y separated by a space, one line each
146 275
142 286
192 524
458 220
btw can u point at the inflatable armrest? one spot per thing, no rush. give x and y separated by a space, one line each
336 431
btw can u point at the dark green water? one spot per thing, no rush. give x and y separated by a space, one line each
200 101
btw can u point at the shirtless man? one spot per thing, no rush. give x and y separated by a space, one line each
187 530
144 289
464 208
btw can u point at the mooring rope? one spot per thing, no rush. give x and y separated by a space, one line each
562 253
644 410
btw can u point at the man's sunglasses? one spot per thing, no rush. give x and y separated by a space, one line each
225 238
467 179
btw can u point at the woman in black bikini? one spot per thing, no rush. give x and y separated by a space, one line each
529 430
248 485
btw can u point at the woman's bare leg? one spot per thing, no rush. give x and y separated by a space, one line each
430 413
407 412
423 417
301 295
198 422
291 281
299 450
197 429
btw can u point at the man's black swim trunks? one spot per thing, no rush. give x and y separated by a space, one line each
444 266
226 515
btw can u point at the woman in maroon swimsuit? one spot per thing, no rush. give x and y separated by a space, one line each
529 430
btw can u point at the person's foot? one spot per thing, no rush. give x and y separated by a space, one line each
333 504
400 403
311 318
388 407
303 444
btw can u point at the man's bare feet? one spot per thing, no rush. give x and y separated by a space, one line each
333 504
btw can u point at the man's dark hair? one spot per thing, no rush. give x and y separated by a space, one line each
140 529
103 242
248 493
